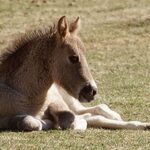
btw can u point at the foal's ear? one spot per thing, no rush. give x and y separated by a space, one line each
75 26
63 27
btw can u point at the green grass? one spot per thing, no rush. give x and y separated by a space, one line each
117 36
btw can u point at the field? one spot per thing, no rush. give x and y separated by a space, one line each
116 34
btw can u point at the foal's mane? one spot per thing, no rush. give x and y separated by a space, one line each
25 38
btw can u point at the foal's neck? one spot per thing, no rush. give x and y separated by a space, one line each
32 76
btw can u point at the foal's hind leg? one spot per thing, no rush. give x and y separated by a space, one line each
24 123
29 123
102 122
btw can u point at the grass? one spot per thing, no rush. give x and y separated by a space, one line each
116 34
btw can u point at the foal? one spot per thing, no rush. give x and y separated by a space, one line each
31 65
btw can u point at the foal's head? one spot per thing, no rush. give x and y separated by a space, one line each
70 66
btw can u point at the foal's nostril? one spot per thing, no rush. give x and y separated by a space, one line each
94 92
89 90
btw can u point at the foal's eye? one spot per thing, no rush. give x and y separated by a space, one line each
74 59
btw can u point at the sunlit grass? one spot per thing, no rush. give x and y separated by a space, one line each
117 35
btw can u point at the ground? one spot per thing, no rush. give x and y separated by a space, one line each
116 34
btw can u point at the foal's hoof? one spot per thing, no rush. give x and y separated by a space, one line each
79 124
65 119
29 123
147 127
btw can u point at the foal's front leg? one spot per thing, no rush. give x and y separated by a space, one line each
78 108
102 109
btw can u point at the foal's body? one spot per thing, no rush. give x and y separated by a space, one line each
23 82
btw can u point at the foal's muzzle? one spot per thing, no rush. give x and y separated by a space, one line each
87 93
